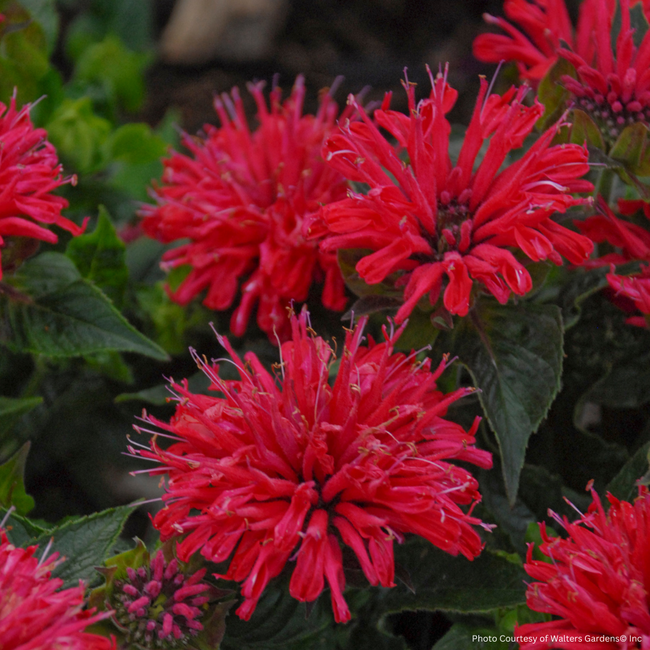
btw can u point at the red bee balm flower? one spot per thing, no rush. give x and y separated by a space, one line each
34 614
437 218
29 171
293 467
598 581
545 24
613 90
241 200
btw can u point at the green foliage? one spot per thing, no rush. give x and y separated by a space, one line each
454 584
12 483
625 484
552 94
12 409
101 258
61 314
514 354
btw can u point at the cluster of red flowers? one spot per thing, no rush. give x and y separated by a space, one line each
29 171
241 199
292 467
438 218
597 582
35 613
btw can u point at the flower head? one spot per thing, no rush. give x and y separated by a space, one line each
613 87
545 24
158 606
35 613
598 580
436 221
241 199
291 468
29 171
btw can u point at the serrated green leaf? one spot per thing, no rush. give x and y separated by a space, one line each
13 408
100 257
12 482
66 318
624 484
85 543
514 354
454 584
20 530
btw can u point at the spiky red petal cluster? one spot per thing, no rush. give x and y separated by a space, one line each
35 614
29 171
612 87
598 580
240 199
293 467
633 244
545 23
437 219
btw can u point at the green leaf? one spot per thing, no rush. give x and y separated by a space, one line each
124 77
348 259
135 143
454 584
45 14
100 257
552 94
461 637
20 530
79 134
23 53
514 354
585 131
12 482
85 543
624 484
631 147
13 408
64 317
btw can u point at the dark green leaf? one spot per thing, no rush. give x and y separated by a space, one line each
461 637
585 130
100 257
20 530
85 543
13 408
454 583
12 483
514 354
631 147
66 318
135 143
624 484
